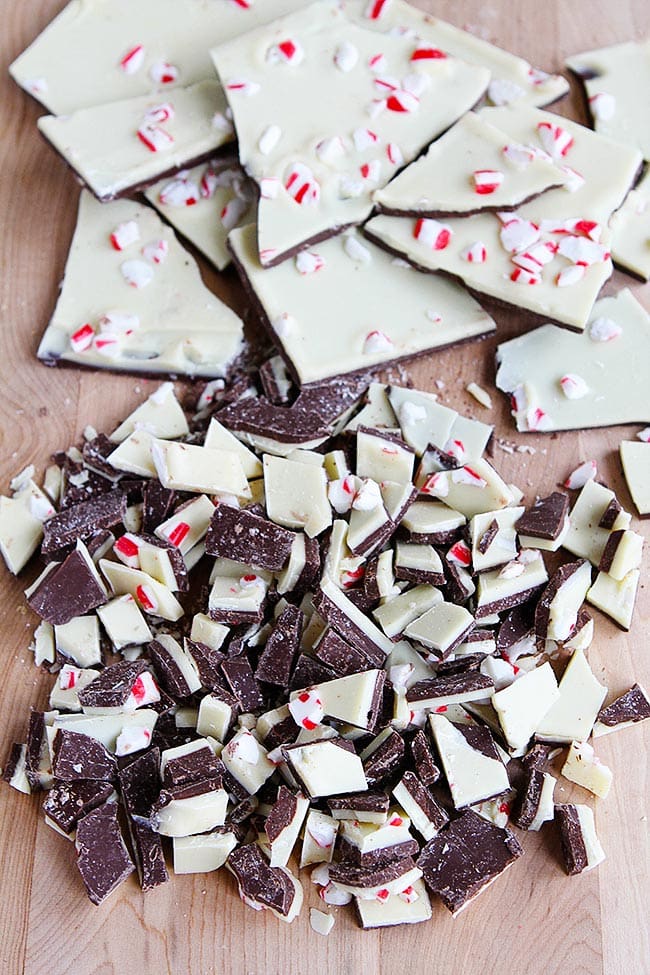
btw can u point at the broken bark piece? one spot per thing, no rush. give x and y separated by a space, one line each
629 708
79 757
68 589
277 658
235 533
140 789
264 886
68 802
581 849
243 683
103 859
82 520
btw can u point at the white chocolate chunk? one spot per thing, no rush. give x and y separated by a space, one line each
282 846
615 597
21 524
326 769
320 922
522 706
188 525
246 760
595 852
584 767
174 325
203 853
471 775
500 585
635 458
124 623
106 728
350 699
565 604
319 838
382 459
422 419
214 718
627 555
78 640
396 909
64 696
429 518
195 814
296 495
395 615
377 411
218 438
148 593
133 455
244 595
503 547
630 227
160 415
205 630
182 660
572 716
422 558
368 837
43 644
441 627
187 467
585 537
472 489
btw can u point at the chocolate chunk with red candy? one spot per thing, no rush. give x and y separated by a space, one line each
545 519
68 802
385 760
243 683
333 651
82 520
353 875
632 706
425 765
259 882
157 503
193 767
71 588
574 851
140 789
103 859
465 857
610 514
235 533
113 685
276 660
288 424
76 756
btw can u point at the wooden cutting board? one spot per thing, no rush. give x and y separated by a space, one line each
534 920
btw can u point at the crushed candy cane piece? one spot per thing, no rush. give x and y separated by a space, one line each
301 184
503 92
364 139
432 233
243 87
521 276
307 262
356 250
155 138
179 193
307 710
125 234
579 477
346 56
156 251
402 100
604 330
518 155
517 234
132 740
133 60
487 180
459 554
475 253
555 140
377 342
137 273
602 106
269 139
376 9
480 395
163 73
570 275
82 339
573 386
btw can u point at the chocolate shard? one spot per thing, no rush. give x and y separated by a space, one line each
243 810
283 733
360 802
634 706
68 802
275 380
610 514
450 685
70 589
609 551
530 792
488 536
352 875
37 748
537 756
258 882
208 664
140 789
299 423
543 608
168 672
192 767
281 814
112 686
103 859
545 519
311 569
332 397
243 683
377 859
348 629
82 520
459 584
276 660
423 760
15 765
386 760
310 671
76 756
81 485
235 533
516 626
460 665
335 652
157 503
420 795
465 857
95 452
574 851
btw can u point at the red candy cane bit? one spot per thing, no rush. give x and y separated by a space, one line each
486 181
428 54
82 339
155 138
459 553
504 807
301 184
126 546
163 73
244 4
441 709
133 60
402 101
519 276
383 894
433 233
396 821
145 597
376 9
394 153
555 140
179 533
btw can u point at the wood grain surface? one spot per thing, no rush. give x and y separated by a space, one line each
534 920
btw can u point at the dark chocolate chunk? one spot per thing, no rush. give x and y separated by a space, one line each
543 608
243 810
460 665
610 514
76 756
488 536
333 615
446 686
80 484
634 705
385 760
419 576
363 877
95 452
574 851
168 672
36 748
157 502
333 397
103 859
545 519
465 857
459 585
243 683
276 660
140 788
69 589
526 805
360 802
425 765
609 552
192 767
68 802
208 663
377 859
281 815
370 585
188 790
112 686
423 798
16 758
479 738
310 671
537 756
299 423
359 598
333 651
311 569
517 625
82 520
100 544
260 883
275 380
282 733
235 533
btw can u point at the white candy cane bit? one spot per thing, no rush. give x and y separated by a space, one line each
395 154
240 86
179 193
157 114
323 834
604 330
400 674
307 710
555 140
376 9
301 185
386 83
468 476
269 187
82 339
346 57
644 435
125 234
146 599
40 508
368 497
350 577
456 448
284 324
107 345
537 76
137 273
246 748
288 51
503 92
133 60
480 395
409 895
222 123
307 262
573 386
535 257
538 420
409 413
364 139
432 233
155 138
132 740
377 63
519 399
431 313
208 184
579 477
320 875
68 677
529 555
350 188
437 484
376 107
487 181
244 4
377 342
518 235
416 82
163 73
475 253
512 569
232 212
37 86
328 150
402 100
269 139
520 156
357 251
573 180
371 171
118 323
582 250
520 276
332 894
250 581
341 492
602 106
156 251
459 554
570 275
